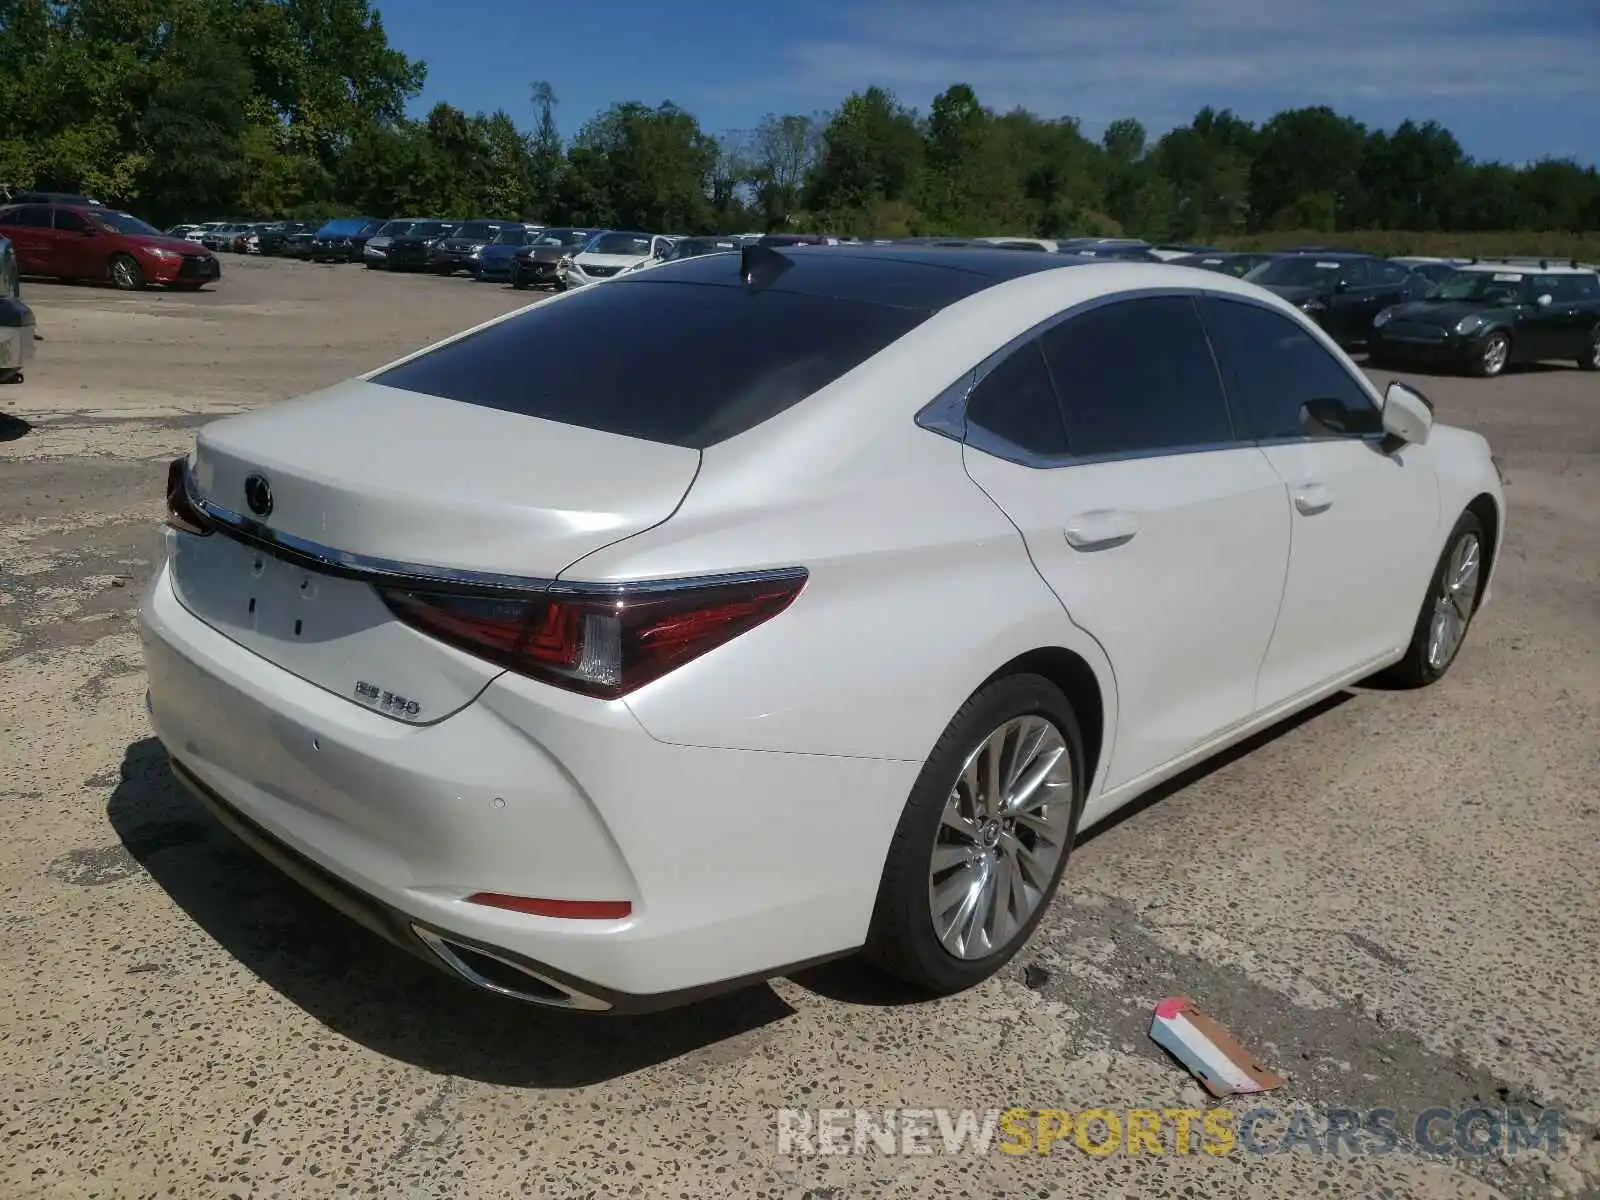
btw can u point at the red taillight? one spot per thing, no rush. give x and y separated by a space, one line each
603 642
181 511
582 910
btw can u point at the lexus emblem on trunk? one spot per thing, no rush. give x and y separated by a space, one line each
258 495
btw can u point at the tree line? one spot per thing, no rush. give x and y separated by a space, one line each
196 109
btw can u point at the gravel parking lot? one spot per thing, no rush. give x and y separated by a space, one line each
1392 899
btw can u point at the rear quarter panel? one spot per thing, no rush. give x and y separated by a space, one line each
919 590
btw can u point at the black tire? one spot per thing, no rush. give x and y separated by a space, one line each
902 940
7 377
125 272
1590 360
1420 667
1486 364
561 285
518 282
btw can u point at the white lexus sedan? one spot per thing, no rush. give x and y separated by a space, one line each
822 621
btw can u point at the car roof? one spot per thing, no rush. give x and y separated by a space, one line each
920 277
1523 268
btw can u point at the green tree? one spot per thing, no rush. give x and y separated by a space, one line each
1303 152
871 151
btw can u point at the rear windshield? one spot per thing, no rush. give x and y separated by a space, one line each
681 363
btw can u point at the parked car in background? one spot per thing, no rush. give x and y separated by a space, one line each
71 242
1488 316
614 253
544 262
1340 291
274 238
694 247
71 199
251 242
1115 249
298 244
341 239
1018 243
1237 263
188 232
1172 251
375 252
859 625
225 236
409 251
16 319
1434 270
796 239
457 251
198 233
493 262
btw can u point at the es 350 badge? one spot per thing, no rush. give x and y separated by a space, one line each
387 701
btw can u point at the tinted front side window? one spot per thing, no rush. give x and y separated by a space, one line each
1014 408
685 364
70 222
1137 376
1288 385
1393 273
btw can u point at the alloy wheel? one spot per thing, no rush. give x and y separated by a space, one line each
122 273
1005 827
1494 354
1452 607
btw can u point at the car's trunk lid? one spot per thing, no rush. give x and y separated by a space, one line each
372 478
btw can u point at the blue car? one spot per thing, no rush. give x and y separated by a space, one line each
493 262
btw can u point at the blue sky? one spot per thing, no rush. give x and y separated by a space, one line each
1515 80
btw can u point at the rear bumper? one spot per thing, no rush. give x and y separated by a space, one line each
738 864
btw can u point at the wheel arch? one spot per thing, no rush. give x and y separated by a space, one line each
1487 510
1077 680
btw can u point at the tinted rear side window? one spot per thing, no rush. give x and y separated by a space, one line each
1013 409
686 364
1138 376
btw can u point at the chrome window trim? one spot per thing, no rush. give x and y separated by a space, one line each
423 579
946 413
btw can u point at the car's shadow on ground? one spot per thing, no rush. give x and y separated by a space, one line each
367 990
853 982
12 428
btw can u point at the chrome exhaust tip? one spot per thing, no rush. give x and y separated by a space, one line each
491 972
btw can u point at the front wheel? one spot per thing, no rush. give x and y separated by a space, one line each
1590 359
983 840
126 273
1452 599
1492 359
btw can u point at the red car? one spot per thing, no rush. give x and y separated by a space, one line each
69 241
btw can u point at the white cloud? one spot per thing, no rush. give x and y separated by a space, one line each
1162 59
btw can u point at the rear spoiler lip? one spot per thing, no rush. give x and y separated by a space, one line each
423 578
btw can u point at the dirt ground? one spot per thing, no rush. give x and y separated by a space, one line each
1391 899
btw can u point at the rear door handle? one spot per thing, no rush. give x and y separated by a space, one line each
1313 498
1101 529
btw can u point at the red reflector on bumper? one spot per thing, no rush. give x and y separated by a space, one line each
590 910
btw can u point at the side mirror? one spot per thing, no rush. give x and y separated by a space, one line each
1407 415
1342 286
1545 300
